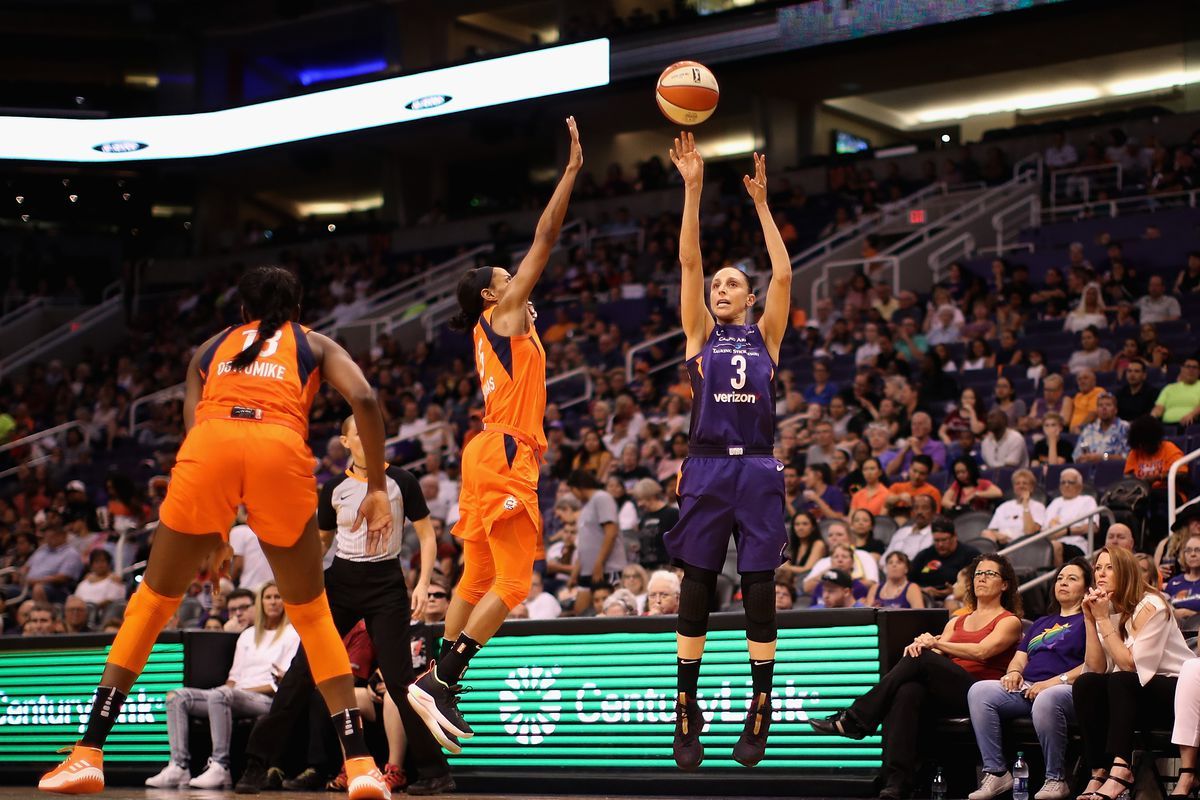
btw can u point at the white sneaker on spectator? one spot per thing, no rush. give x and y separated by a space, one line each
1053 789
172 776
992 786
214 777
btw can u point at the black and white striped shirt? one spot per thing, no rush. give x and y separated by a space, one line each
339 503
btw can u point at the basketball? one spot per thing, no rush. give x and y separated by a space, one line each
687 93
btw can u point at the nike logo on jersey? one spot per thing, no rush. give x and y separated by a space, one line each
734 397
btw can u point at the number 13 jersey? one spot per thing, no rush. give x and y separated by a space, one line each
733 393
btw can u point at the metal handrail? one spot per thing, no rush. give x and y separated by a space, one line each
75 327
33 462
1033 158
1028 247
1000 217
588 387
662 337
1114 204
890 262
169 393
1025 541
397 439
37 437
960 246
1172 479
1073 171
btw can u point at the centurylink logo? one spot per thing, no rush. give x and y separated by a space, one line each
530 707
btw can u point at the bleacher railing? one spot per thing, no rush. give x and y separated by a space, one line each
889 263
961 246
175 392
646 345
1079 181
110 304
1025 541
1116 206
33 440
1023 213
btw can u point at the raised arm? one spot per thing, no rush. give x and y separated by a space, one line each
773 323
693 312
344 375
512 308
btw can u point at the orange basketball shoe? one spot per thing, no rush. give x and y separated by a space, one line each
81 773
365 781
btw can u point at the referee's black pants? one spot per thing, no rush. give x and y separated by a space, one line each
375 592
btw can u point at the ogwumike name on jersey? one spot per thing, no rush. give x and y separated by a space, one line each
734 397
257 369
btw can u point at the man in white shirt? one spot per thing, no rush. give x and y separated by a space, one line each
250 568
1061 154
540 604
1021 516
916 535
1157 305
1071 505
866 568
1002 446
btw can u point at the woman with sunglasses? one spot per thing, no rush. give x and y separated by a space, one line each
1037 685
1134 654
973 647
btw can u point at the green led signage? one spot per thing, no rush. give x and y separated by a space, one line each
46 695
606 700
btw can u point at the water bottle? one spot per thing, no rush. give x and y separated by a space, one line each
938 790
1020 772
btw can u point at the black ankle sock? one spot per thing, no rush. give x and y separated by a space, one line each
454 663
350 733
761 675
444 649
688 676
103 716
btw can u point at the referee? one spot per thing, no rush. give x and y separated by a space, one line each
365 581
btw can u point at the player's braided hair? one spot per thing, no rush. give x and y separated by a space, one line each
470 299
269 295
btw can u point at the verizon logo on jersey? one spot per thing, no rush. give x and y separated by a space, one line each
257 369
734 397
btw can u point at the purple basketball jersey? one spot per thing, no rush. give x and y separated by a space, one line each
733 392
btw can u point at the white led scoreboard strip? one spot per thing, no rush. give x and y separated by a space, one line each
387 102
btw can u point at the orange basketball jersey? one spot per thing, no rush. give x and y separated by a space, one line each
512 374
277 387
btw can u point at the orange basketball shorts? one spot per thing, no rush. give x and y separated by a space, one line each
226 463
499 482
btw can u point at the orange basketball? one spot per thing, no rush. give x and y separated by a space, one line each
687 93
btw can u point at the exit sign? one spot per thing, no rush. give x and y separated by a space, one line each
916 216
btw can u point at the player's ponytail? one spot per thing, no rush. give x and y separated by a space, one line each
269 295
470 299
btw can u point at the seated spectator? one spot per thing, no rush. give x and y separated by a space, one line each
1156 305
1052 401
100 586
1183 589
1120 535
1021 516
806 547
1188 279
634 579
921 443
239 606
873 495
620 603
1037 686
837 590
862 533
662 593
1105 437
593 456
260 659
40 620
936 567
1053 448
1179 403
1150 454
1071 506
824 444
864 566
54 568
823 500
967 415
1133 657
820 391
896 590
947 328
969 492
1083 404
901 495
916 535
1090 355
1136 397
540 604
1003 446
975 646
75 616
1088 315
785 595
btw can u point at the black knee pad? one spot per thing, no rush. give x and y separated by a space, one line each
758 599
696 593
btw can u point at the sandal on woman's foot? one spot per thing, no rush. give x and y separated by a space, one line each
1126 782
1088 794
1192 791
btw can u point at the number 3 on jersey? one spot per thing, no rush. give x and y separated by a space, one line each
269 346
486 384
738 362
